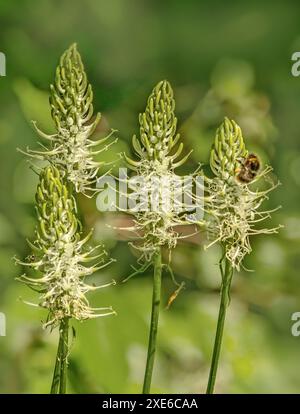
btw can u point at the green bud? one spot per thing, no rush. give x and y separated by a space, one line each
55 208
71 95
158 136
228 150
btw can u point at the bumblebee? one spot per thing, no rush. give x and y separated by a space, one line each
249 169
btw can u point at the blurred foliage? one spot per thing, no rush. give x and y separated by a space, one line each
222 58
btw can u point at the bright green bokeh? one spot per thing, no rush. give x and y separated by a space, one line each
222 58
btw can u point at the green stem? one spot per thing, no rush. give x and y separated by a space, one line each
154 322
60 369
56 373
64 355
225 299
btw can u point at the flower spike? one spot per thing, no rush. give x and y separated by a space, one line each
71 148
59 254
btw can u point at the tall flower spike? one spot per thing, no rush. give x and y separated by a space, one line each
233 207
71 148
158 136
158 191
59 254
155 178
233 214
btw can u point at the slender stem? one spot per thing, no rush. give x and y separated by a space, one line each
224 302
154 322
60 369
56 373
64 331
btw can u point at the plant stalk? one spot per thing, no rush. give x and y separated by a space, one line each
156 297
56 373
64 355
224 302
60 370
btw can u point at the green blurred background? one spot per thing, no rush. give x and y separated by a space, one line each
222 58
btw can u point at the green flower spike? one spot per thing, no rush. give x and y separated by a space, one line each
233 216
233 207
59 255
158 150
71 148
